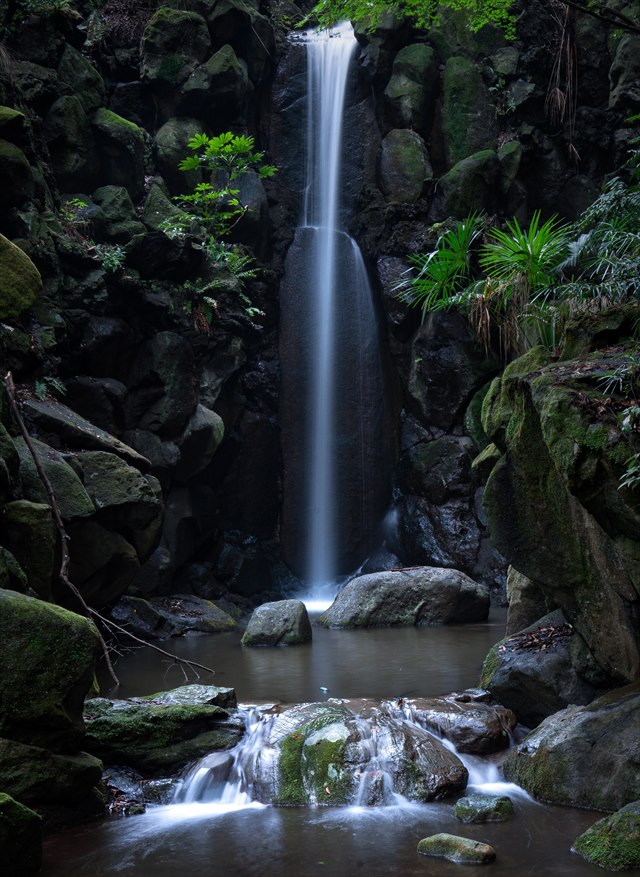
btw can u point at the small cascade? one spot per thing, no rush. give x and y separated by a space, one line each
224 777
381 764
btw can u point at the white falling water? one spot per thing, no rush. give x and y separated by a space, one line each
328 57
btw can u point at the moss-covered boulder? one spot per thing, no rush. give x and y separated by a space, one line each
483 808
583 756
121 151
77 72
173 44
103 563
553 501
119 216
470 185
404 166
72 499
161 393
152 734
49 653
158 208
468 116
162 617
411 90
13 125
542 669
123 497
324 755
222 83
461 850
30 534
417 595
41 778
20 838
20 281
527 602
16 176
613 843
12 576
77 432
171 143
72 145
281 623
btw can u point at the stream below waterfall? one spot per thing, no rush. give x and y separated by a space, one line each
236 839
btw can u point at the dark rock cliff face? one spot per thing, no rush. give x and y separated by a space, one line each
101 110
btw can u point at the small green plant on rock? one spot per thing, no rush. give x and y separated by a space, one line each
211 212
47 384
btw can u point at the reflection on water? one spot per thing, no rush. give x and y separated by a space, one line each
385 662
206 840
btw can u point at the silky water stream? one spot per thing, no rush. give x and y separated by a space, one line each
216 829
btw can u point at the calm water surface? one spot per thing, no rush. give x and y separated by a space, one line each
214 840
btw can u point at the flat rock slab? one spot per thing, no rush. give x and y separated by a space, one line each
54 417
456 849
414 596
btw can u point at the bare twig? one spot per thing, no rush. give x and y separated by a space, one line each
62 533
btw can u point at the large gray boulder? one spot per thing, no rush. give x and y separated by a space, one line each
613 843
584 756
414 596
410 92
282 623
541 670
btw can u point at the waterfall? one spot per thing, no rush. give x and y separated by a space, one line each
335 442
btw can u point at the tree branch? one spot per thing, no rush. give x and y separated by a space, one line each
606 14
64 549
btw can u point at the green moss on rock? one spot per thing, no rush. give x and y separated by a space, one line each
613 842
20 280
20 838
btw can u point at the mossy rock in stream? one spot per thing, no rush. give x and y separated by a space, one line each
613 843
20 838
484 808
47 664
154 734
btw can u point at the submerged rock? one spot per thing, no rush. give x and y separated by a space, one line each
456 849
282 623
414 596
484 808
613 843
584 756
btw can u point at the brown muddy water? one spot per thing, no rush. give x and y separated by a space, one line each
233 840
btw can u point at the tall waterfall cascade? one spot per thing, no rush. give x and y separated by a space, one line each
336 457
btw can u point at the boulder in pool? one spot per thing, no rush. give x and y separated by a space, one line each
461 850
418 595
281 623
613 843
484 808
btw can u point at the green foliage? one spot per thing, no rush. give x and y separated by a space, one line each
215 205
367 14
211 211
47 384
111 257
